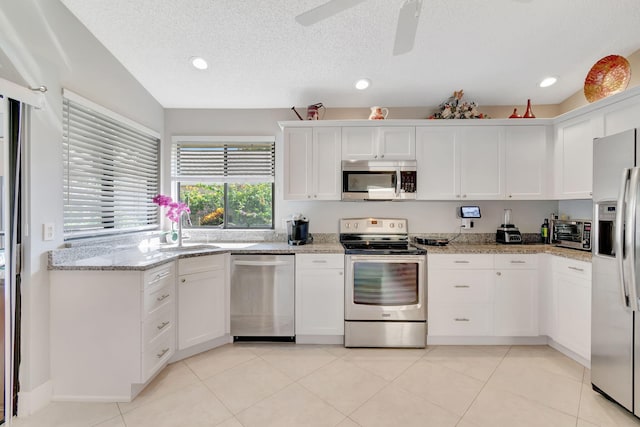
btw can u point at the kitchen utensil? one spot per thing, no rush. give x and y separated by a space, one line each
608 76
378 113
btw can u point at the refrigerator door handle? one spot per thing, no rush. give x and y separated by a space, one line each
619 235
630 237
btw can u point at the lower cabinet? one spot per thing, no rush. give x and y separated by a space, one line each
319 298
111 331
571 287
482 295
203 299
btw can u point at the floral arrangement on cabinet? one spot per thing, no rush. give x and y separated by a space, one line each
456 108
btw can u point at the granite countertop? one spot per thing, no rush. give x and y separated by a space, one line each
496 248
133 258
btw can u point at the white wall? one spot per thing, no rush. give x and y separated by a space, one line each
48 46
424 217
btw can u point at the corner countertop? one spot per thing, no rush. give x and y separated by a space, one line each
107 258
496 248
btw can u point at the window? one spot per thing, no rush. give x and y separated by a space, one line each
226 181
111 171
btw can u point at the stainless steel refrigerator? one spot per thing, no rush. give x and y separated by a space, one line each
615 321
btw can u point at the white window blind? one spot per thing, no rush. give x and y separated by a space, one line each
224 159
111 173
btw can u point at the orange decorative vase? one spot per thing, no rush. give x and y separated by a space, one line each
515 114
528 114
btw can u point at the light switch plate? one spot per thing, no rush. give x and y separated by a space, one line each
48 231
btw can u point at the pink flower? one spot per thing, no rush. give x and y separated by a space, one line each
176 209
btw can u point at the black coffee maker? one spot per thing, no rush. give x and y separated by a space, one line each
298 230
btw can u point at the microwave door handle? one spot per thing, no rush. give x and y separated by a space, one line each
630 236
619 235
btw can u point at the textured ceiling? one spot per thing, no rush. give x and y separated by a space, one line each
260 57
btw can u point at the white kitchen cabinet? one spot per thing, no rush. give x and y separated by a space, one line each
312 163
379 143
516 295
572 284
460 163
573 154
319 298
203 299
111 331
460 295
525 162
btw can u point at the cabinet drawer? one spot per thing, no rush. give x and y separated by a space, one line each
157 324
157 354
323 261
460 320
460 286
201 263
450 261
571 267
159 275
159 295
516 261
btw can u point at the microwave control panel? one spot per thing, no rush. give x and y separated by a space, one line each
408 181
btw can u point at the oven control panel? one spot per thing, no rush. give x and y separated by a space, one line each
373 226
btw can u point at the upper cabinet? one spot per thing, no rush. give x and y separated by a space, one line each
525 163
379 143
312 163
459 163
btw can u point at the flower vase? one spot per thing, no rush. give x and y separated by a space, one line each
528 114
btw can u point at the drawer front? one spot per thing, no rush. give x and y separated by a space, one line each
157 354
201 263
160 275
308 261
460 320
159 295
460 286
516 261
450 261
157 324
571 267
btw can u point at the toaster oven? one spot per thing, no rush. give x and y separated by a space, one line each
574 234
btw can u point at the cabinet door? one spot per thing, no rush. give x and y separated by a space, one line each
525 175
516 303
201 307
298 155
319 295
359 143
574 314
438 169
397 143
481 163
574 159
326 164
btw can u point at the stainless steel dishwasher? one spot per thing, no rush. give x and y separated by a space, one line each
262 297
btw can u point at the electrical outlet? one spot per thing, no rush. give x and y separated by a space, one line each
48 231
466 224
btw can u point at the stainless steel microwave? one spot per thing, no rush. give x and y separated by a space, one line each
573 233
378 180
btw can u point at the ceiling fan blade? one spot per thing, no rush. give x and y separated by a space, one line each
325 11
407 26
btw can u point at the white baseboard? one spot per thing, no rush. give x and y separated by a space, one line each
569 353
32 401
449 340
320 339
199 348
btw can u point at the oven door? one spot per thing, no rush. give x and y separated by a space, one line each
385 287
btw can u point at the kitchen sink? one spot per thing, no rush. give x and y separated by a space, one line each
186 247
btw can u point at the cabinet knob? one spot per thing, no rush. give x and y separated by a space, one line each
498 273
183 280
510 196
382 156
375 157
458 196
315 196
308 196
464 196
340 273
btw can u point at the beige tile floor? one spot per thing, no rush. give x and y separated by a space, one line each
253 384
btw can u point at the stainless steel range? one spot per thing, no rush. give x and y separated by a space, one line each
385 284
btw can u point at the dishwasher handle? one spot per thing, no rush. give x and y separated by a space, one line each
261 263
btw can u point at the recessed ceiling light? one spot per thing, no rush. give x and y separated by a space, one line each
362 84
199 63
548 81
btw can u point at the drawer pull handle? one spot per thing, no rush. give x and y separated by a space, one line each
576 268
461 262
319 261
162 353
163 297
162 325
461 286
461 319
515 261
